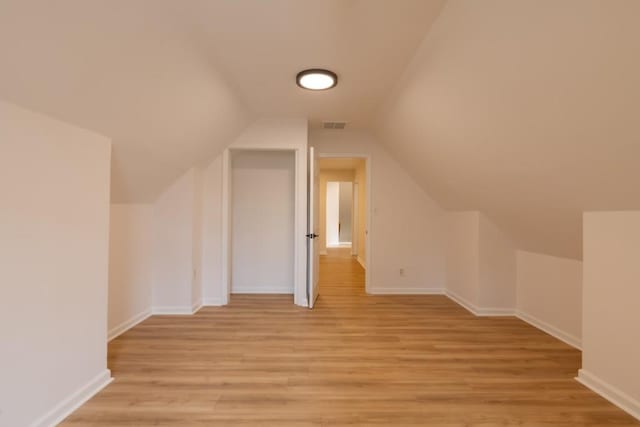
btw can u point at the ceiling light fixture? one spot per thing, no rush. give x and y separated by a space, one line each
316 79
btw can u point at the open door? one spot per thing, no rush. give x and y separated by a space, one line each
313 255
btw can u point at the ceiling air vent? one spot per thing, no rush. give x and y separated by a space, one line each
333 125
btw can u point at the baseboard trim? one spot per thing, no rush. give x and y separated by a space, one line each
127 324
572 340
65 408
361 262
171 310
195 307
207 302
496 312
479 311
405 291
471 308
259 290
609 392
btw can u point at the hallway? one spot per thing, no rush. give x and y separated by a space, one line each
340 275
354 359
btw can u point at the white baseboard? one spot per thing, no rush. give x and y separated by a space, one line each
361 262
550 329
172 310
470 307
495 311
324 252
195 307
261 290
127 324
73 402
609 392
405 291
479 311
216 302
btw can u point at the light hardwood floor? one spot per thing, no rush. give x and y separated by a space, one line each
353 360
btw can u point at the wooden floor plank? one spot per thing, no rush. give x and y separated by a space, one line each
354 359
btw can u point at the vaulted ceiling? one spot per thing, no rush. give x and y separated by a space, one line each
524 109
171 82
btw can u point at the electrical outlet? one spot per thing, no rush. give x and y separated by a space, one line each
402 272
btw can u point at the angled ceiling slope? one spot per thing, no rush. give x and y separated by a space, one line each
527 111
128 70
172 82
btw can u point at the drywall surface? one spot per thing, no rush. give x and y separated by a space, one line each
406 225
325 176
497 267
54 228
174 261
610 315
211 259
549 291
130 265
526 111
462 256
262 221
332 213
481 264
361 181
345 211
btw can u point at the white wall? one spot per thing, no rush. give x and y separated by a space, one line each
610 316
549 291
262 237
197 240
406 226
325 176
524 110
497 267
462 256
175 246
481 265
54 228
345 211
130 265
211 259
361 181
332 213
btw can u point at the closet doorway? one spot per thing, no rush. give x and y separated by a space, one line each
264 221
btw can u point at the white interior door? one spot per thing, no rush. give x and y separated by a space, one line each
313 255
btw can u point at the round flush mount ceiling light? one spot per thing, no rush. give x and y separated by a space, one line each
316 79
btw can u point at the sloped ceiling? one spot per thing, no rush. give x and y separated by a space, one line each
126 70
172 82
526 110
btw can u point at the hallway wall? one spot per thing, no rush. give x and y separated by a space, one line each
326 175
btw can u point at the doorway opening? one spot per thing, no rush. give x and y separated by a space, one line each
339 217
263 210
343 218
262 222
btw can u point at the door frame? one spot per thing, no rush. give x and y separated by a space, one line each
368 219
300 218
355 220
